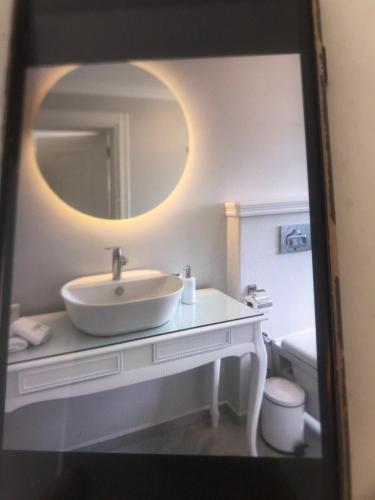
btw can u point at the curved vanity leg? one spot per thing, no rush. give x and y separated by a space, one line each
215 379
258 371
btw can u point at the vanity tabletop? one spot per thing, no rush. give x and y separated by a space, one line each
211 307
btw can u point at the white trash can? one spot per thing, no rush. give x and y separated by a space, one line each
282 417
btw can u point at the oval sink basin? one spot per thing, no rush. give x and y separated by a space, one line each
141 299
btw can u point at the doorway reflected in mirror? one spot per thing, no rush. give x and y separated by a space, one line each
111 140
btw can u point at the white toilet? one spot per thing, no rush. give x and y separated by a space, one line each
295 358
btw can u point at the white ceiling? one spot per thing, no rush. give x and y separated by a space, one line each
113 80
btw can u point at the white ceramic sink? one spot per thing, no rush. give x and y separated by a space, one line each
141 299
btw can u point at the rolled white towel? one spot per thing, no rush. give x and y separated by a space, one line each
30 330
17 344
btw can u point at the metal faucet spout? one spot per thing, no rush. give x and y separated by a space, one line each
118 262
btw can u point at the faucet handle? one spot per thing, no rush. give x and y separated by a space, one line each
251 289
117 254
114 249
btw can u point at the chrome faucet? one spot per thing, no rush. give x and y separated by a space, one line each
118 262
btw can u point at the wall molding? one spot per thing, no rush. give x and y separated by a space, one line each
254 209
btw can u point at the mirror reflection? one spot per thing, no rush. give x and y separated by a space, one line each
111 140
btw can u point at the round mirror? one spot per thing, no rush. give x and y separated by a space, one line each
111 140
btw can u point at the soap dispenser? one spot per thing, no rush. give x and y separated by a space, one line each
188 293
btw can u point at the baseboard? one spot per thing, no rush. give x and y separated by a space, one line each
238 416
119 439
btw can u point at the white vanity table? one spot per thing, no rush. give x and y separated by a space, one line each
73 363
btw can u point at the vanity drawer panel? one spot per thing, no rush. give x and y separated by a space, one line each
193 344
69 372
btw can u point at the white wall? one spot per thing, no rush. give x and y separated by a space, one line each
287 277
246 142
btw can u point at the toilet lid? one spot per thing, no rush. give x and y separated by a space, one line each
302 346
283 392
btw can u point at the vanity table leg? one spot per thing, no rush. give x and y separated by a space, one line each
215 379
258 372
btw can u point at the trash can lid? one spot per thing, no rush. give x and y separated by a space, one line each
283 392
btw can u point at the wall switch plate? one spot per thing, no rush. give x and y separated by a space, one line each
295 238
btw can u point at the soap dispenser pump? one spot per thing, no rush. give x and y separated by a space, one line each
188 293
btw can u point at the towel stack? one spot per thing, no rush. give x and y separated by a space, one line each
25 331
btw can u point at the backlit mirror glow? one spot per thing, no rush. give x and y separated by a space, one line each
111 140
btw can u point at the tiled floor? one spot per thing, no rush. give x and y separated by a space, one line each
199 438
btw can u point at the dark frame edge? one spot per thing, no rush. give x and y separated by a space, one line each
337 369
11 138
